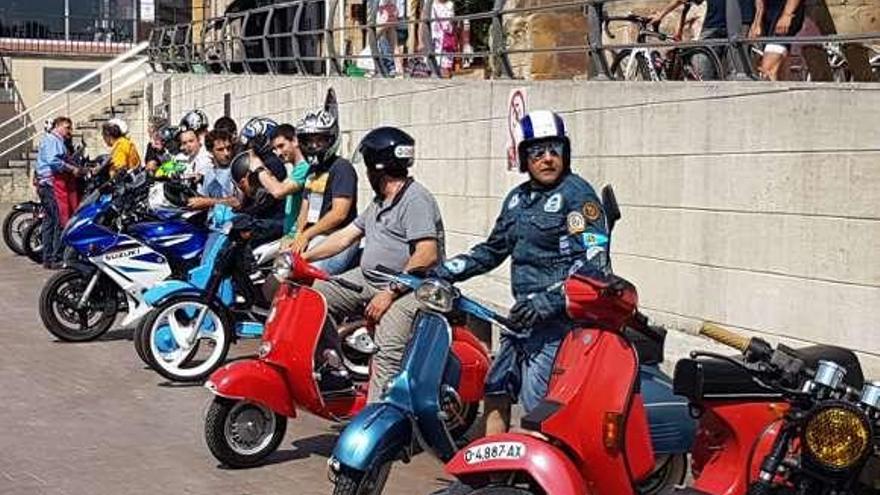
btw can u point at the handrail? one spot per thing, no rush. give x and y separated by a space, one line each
136 50
81 109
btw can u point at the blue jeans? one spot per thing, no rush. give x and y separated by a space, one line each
340 262
51 227
522 367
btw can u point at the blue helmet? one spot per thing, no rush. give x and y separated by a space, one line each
257 133
538 126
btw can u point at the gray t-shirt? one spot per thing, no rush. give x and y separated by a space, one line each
390 229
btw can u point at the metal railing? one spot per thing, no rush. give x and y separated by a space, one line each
121 73
305 37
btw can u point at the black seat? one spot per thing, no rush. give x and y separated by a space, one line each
710 378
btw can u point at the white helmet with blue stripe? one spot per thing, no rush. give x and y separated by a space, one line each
538 126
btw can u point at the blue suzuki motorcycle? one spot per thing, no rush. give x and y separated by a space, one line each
192 323
113 255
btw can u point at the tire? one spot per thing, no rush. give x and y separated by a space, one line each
58 301
32 242
226 444
14 226
460 423
619 66
162 349
501 490
138 342
670 471
350 482
689 72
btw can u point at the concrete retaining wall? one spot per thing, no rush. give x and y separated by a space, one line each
753 205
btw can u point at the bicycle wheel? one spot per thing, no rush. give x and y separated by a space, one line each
629 66
698 64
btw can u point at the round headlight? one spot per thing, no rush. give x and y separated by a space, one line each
437 295
282 266
837 437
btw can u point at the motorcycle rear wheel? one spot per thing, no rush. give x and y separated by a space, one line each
14 227
61 317
32 242
242 434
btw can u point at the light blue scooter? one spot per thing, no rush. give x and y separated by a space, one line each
187 334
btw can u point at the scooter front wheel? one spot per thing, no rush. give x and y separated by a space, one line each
179 351
372 482
671 470
62 315
240 434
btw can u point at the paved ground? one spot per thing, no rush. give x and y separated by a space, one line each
89 419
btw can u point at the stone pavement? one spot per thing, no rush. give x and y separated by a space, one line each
89 419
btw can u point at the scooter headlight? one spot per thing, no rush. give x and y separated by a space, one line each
436 295
837 437
283 266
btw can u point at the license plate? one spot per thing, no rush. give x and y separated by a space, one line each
494 451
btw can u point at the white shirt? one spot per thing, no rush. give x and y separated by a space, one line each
198 164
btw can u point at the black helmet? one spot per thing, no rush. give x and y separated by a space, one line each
240 166
194 120
169 134
386 149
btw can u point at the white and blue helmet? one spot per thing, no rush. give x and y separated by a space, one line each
257 133
542 125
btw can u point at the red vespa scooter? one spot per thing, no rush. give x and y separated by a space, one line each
591 433
247 419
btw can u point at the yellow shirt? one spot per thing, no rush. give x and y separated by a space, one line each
123 155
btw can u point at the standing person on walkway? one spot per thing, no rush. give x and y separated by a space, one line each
537 230
53 167
714 27
123 153
776 18
443 34
402 230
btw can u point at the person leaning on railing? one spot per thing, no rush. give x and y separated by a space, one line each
714 27
776 18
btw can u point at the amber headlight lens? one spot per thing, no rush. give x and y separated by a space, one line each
837 437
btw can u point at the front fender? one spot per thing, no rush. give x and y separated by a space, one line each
26 206
254 381
378 433
163 290
546 464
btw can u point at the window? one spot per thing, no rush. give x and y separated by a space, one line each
55 79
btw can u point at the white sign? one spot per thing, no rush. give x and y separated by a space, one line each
148 11
516 110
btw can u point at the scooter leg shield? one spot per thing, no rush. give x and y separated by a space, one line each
377 433
254 381
672 427
548 466
166 289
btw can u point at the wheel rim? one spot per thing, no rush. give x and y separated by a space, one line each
169 339
660 479
249 428
456 414
64 307
19 226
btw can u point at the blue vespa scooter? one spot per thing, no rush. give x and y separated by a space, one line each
193 322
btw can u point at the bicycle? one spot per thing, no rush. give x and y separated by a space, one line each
649 64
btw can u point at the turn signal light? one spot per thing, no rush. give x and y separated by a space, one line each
612 431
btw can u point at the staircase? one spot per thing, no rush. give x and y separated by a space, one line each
121 90
15 173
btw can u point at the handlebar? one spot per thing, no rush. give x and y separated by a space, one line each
642 21
725 336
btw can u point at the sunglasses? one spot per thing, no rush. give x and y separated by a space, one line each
537 150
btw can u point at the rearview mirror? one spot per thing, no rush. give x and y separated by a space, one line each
609 203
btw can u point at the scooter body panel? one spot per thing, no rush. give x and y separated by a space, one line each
256 381
546 464
672 427
473 358
732 439
380 432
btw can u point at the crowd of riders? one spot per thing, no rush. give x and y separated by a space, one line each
291 179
